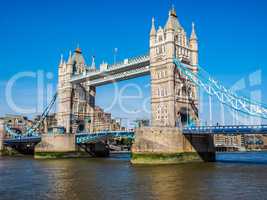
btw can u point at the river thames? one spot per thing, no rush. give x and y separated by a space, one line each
234 176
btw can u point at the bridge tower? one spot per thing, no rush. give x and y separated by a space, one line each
75 102
174 99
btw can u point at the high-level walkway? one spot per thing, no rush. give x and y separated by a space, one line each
128 69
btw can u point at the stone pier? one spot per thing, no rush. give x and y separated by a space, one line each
64 146
163 145
56 146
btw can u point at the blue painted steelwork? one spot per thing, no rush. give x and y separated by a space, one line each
12 134
32 130
225 96
82 138
31 135
15 138
231 130
23 139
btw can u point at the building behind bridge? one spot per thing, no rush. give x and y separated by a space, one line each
18 123
103 121
240 142
99 122
229 142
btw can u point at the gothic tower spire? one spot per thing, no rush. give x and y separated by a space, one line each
93 62
193 43
172 22
61 60
153 28
70 58
153 33
193 33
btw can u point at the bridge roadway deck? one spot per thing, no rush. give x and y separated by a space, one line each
81 138
20 140
229 129
94 137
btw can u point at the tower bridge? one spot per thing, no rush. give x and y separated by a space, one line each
128 69
171 91
175 133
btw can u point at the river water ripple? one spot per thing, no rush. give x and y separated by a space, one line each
236 176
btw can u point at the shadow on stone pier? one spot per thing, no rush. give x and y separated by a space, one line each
166 145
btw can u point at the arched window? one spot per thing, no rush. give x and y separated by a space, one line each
176 38
184 90
160 49
179 92
162 92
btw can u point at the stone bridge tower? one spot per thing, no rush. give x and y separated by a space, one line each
75 102
174 98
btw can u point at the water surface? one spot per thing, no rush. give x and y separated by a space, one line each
116 178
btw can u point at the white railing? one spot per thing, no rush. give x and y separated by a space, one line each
118 76
127 62
116 66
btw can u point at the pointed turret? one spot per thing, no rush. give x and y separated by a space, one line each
153 33
61 60
153 28
93 62
172 22
78 50
69 62
169 24
194 46
173 11
77 57
193 33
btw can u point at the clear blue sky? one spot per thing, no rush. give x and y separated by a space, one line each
232 37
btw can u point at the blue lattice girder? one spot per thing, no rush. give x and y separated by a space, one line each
225 96
82 138
230 130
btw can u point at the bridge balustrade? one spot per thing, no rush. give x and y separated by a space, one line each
235 129
82 138
116 66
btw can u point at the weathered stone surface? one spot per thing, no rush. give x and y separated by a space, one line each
64 146
158 145
53 155
55 145
165 158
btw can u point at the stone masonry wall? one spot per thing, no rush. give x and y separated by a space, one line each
56 143
157 144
